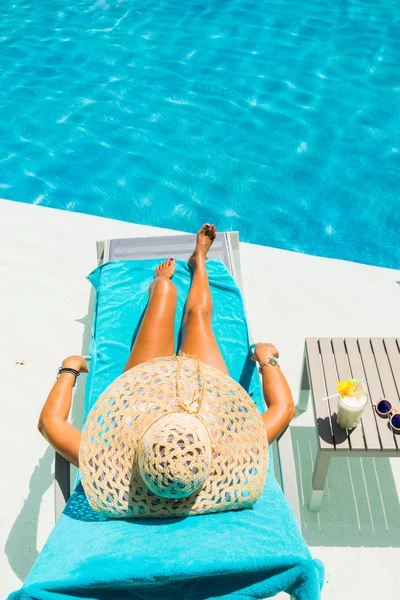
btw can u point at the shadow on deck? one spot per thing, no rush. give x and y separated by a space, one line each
360 507
21 547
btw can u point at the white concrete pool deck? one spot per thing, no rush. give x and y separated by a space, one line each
45 257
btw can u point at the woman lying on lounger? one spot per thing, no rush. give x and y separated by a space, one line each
198 372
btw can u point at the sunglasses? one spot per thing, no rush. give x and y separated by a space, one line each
384 408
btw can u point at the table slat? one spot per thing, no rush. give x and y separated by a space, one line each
394 359
368 418
356 436
317 385
385 372
331 377
375 390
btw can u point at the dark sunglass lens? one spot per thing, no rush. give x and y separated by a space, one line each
384 406
395 421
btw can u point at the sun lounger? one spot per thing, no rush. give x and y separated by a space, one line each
241 554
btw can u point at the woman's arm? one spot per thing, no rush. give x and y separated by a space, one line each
53 421
277 394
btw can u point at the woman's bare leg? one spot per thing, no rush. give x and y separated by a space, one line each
156 334
198 337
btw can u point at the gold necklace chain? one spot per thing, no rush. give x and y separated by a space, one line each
195 404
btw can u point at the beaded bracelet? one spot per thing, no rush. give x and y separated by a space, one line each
68 370
271 361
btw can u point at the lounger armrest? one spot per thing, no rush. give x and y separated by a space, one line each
62 489
288 470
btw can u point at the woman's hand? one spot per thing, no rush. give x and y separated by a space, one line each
263 350
75 362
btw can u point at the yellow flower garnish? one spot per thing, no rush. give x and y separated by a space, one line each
345 388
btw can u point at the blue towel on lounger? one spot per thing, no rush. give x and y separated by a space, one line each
241 555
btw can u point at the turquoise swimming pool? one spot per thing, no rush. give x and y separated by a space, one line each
278 118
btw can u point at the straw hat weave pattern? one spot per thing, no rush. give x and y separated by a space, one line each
175 455
173 437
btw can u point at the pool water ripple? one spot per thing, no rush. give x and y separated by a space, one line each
280 119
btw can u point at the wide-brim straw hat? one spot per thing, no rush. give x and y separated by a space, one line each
173 437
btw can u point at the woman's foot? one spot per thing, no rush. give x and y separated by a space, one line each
165 269
205 237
